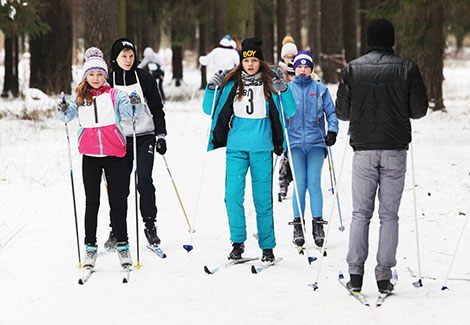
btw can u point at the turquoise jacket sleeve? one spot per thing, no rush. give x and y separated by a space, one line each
123 105
208 100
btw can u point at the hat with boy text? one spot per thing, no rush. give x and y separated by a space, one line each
251 47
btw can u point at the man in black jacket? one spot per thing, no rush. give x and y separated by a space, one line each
150 131
378 93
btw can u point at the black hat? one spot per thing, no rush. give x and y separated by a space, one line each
380 32
251 47
118 46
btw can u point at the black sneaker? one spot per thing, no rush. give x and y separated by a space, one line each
237 251
299 239
318 233
385 286
151 235
268 255
111 243
355 282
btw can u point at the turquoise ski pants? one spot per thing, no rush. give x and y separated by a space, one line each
261 168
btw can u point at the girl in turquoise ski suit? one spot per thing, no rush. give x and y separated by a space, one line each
309 141
247 120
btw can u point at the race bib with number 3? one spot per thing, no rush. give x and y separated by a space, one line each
252 105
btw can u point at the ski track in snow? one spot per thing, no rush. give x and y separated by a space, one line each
38 253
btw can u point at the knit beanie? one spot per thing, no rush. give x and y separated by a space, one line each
94 61
288 46
290 69
305 58
118 46
380 32
251 47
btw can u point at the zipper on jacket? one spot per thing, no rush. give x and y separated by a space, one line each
96 110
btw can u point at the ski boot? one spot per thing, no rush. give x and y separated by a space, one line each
151 235
318 233
110 244
237 251
385 286
124 254
268 255
282 193
299 239
91 253
355 282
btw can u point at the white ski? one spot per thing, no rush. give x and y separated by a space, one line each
229 264
86 273
264 265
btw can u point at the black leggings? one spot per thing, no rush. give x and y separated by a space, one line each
92 170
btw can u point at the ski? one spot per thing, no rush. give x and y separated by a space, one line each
356 294
157 250
263 266
86 273
384 295
126 269
229 264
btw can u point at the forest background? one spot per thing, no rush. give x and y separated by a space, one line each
55 33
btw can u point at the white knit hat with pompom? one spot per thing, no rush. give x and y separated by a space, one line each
94 61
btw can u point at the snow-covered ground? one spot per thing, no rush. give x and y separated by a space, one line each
38 253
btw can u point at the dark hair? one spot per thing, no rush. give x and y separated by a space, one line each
267 74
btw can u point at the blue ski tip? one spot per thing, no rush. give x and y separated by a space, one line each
311 259
418 284
188 248
444 288
341 276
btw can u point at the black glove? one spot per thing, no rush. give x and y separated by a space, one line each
330 138
161 146
278 150
135 99
62 106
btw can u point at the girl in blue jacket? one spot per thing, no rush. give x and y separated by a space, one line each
308 143
247 120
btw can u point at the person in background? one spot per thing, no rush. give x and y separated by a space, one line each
288 53
150 133
308 143
102 142
378 93
223 57
248 121
156 68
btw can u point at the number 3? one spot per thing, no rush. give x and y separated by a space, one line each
250 109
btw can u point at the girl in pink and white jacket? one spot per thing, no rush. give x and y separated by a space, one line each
102 142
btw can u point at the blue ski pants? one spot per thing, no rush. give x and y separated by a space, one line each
307 163
261 168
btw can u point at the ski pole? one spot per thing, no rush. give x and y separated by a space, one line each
310 259
73 186
444 287
334 184
418 283
315 284
134 142
177 194
189 247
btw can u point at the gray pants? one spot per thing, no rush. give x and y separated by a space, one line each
385 170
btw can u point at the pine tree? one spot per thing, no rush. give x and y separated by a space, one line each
51 53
